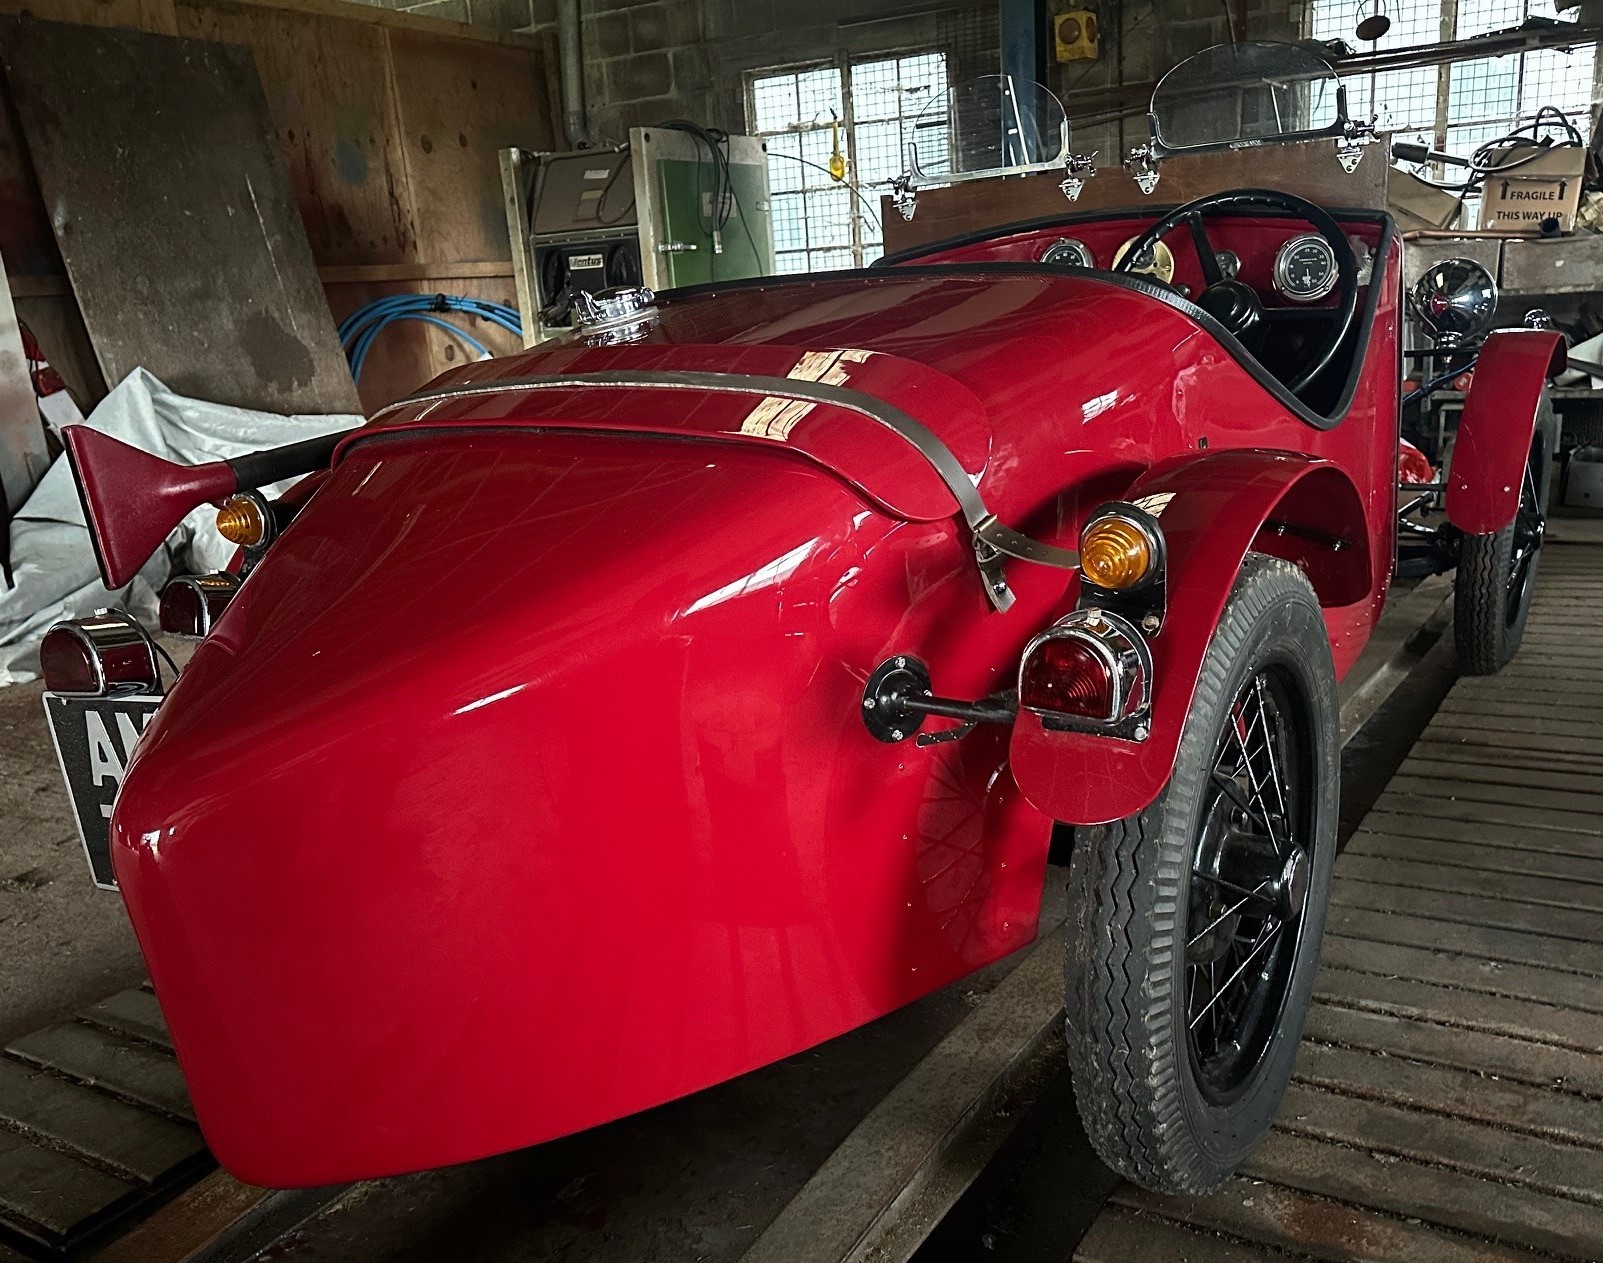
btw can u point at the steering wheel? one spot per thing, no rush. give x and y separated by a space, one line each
1235 304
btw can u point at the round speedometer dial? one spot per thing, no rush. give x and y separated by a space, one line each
1305 268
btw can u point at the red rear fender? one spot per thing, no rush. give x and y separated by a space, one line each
1494 436
1222 506
523 786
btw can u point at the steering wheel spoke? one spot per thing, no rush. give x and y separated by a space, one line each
1211 272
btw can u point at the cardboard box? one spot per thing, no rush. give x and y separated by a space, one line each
1416 204
1548 187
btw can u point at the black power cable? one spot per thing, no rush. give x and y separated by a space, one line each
725 201
718 210
1492 158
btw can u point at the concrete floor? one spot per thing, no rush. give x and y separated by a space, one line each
62 941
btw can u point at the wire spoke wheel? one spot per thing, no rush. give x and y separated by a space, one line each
1530 525
1497 570
1249 883
1194 926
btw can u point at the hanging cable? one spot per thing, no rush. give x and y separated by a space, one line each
359 330
856 192
1436 383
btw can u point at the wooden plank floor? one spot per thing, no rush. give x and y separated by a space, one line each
95 1123
1448 1101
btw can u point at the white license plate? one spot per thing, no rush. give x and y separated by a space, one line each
94 738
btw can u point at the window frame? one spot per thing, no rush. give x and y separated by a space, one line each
842 63
1442 125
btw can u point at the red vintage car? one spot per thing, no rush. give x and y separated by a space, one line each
608 720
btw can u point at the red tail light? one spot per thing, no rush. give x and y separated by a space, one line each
104 653
1067 677
191 603
1089 670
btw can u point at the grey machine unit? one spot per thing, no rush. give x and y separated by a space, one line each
660 211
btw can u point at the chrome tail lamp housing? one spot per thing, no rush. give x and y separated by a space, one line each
191 604
1091 671
105 653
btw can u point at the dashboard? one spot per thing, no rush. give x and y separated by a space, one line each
1274 255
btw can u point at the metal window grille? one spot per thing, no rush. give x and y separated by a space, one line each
1461 106
820 224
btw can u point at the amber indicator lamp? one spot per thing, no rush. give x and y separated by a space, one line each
1115 553
242 520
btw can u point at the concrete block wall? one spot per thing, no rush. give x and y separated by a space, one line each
1156 34
651 60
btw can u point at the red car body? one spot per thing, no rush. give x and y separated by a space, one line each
523 785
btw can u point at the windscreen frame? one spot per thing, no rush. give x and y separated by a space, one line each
1341 126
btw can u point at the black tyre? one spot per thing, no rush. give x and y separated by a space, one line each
1194 927
1497 572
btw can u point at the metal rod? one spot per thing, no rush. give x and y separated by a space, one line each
989 711
1098 106
257 469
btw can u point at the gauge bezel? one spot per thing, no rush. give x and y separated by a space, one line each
1086 258
1162 267
1283 262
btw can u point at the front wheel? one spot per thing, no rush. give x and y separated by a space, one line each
1497 572
1194 926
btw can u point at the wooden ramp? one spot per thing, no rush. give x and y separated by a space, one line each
1448 1102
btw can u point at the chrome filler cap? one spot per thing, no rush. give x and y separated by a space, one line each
614 310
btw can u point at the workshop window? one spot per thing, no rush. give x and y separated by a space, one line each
1459 107
818 223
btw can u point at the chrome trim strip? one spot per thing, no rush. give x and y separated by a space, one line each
987 530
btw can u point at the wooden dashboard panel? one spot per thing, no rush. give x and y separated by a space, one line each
1308 169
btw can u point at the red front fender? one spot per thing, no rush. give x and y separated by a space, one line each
1494 436
1220 507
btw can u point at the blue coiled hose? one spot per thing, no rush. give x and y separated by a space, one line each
359 329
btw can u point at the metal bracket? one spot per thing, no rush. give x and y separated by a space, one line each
990 562
1077 169
925 739
884 709
1350 147
1143 168
903 197
897 700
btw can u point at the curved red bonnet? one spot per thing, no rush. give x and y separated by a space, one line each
523 786
879 462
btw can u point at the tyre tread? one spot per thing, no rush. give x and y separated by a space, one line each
1485 640
1480 591
1118 984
